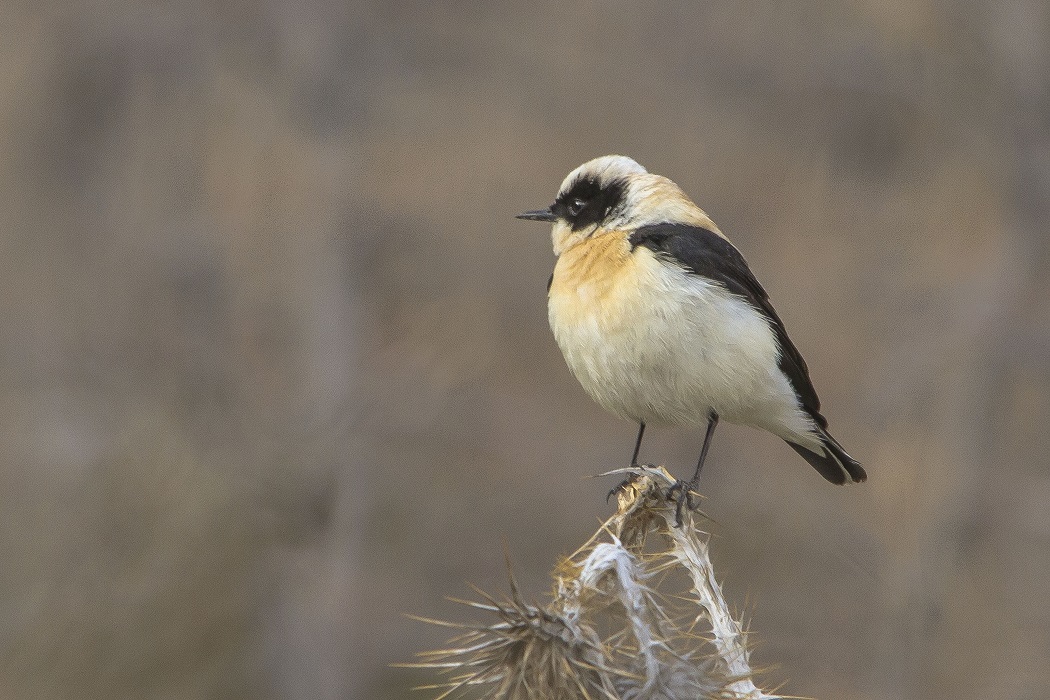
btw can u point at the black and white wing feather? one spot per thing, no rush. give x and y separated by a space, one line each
707 254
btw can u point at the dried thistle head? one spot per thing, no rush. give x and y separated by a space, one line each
528 652
628 619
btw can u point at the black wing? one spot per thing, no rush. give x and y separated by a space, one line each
709 255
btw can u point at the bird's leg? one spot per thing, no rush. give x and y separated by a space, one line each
685 490
634 463
712 423
638 444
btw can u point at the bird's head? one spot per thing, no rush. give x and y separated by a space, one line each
613 193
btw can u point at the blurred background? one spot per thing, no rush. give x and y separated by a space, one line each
275 362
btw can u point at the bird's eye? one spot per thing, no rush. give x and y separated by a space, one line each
576 205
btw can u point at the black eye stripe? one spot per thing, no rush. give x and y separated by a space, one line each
588 201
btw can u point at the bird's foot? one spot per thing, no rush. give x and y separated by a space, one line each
625 484
681 492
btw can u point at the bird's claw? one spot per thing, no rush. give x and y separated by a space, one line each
622 486
681 492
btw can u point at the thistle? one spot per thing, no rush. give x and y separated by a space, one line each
636 613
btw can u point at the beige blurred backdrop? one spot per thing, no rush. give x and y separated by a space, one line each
276 371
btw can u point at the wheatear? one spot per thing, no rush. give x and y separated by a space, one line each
662 322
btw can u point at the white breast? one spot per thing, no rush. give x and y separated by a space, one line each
661 345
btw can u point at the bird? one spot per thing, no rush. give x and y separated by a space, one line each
662 322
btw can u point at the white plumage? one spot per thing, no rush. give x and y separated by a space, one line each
672 348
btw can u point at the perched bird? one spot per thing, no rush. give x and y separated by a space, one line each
662 322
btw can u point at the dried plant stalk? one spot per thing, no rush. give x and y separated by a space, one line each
615 629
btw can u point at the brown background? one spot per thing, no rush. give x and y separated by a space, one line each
275 366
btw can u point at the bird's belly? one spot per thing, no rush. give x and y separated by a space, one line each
665 346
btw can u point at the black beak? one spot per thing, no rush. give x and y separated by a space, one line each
538 215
